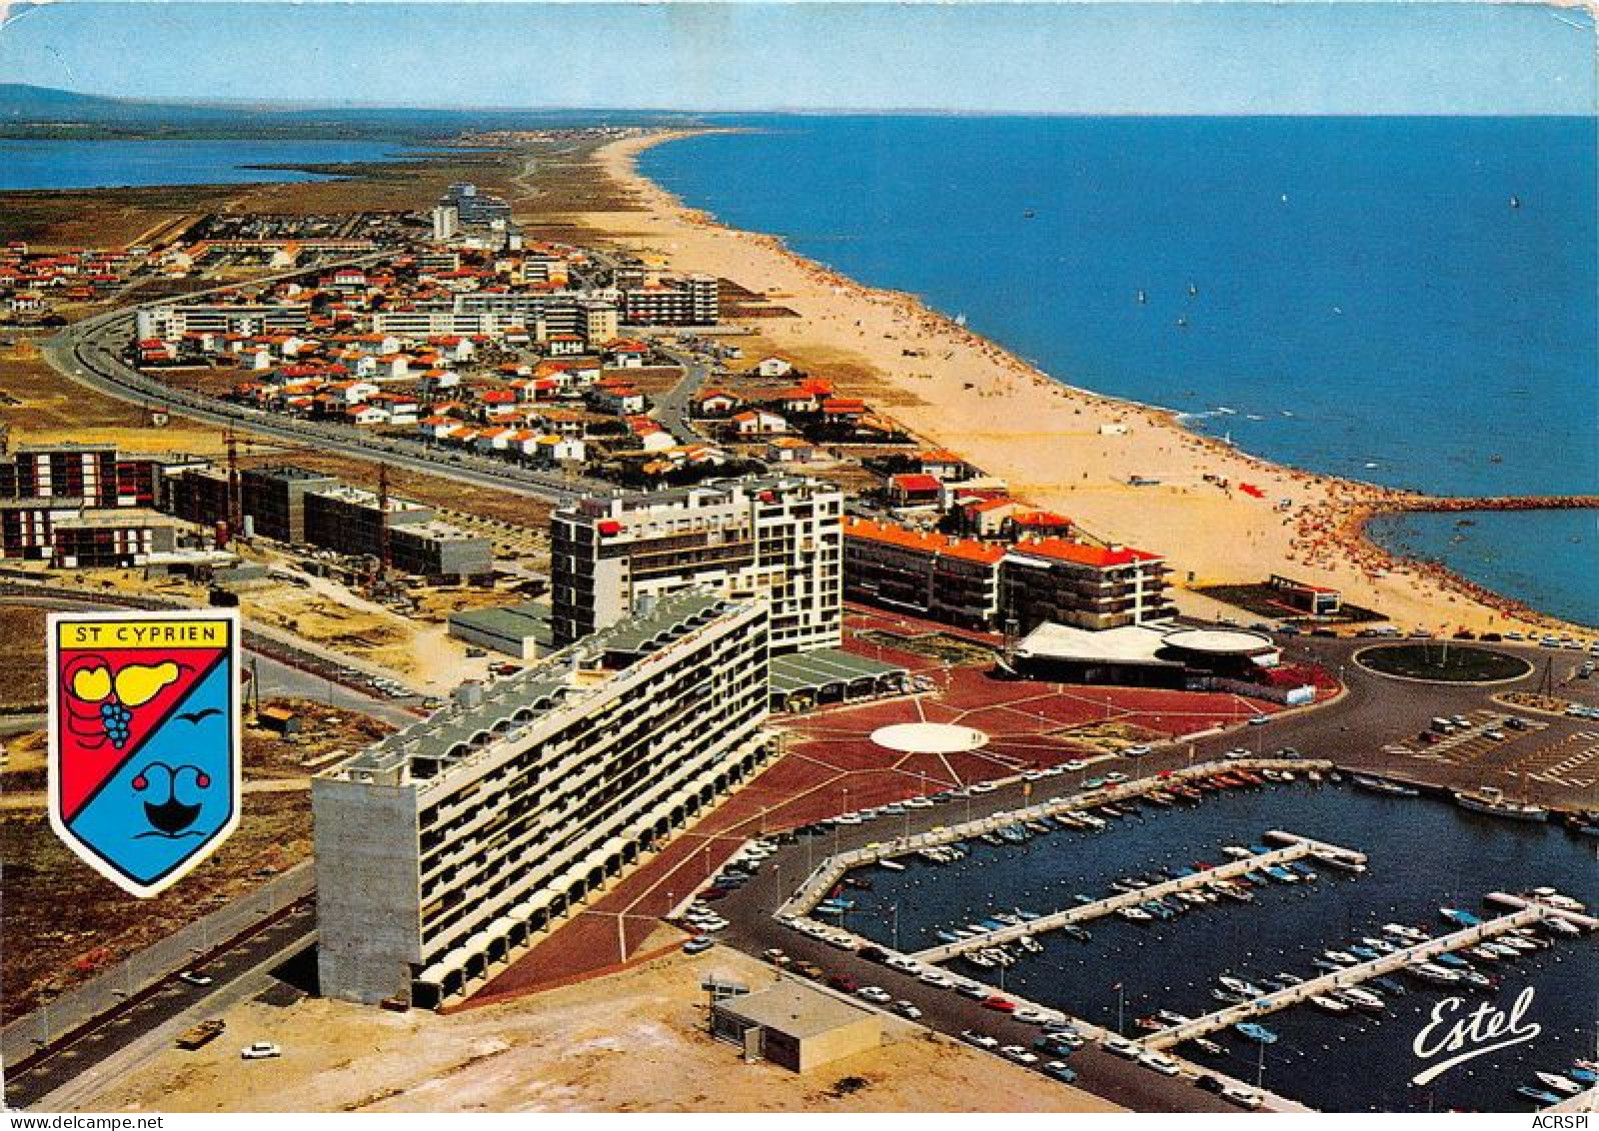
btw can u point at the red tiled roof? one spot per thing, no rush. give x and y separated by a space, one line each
967 549
916 483
1081 553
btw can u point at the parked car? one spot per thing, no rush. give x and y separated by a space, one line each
1246 1098
194 979
698 944
875 994
1059 1070
981 1040
260 1050
907 1009
1019 1054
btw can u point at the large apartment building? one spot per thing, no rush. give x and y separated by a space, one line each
773 538
990 585
291 504
82 505
673 302
541 313
170 322
444 850
953 580
1087 586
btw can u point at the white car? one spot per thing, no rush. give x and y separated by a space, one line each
908 1010
260 1050
981 1040
1161 1063
1075 764
1137 751
903 963
1121 1046
1019 1054
984 787
933 978
917 803
1115 777
1245 1098
194 979
874 994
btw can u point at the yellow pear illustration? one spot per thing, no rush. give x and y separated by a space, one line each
137 684
91 684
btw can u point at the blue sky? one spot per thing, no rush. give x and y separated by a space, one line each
1347 58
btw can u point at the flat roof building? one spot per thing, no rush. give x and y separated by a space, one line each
445 849
1145 655
795 1025
513 630
773 538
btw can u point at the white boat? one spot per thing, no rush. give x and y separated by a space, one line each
1430 972
1559 1083
1330 1004
1238 985
1554 899
1135 914
1494 803
891 865
1363 999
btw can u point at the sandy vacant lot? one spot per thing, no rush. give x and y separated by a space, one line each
632 1041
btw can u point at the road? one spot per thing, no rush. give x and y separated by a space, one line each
140 1016
673 408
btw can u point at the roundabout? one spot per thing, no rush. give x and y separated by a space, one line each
1442 662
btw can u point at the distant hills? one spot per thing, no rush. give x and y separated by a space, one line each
37 111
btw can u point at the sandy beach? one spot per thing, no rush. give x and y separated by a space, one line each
1063 448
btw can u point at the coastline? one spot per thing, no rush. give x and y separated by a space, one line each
1060 446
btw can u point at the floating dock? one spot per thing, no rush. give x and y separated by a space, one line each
1353 975
1297 848
833 868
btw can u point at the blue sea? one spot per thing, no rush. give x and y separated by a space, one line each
1409 301
1550 559
51 164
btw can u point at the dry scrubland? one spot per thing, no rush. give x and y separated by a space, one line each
631 1041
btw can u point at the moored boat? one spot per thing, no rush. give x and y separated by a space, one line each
1491 801
1256 1032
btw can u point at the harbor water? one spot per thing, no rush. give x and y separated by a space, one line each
1423 854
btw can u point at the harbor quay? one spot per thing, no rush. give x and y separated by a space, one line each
1529 914
804 925
829 871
